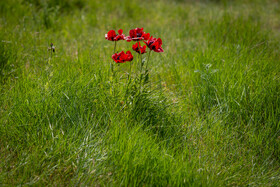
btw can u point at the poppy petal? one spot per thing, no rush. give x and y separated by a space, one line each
120 31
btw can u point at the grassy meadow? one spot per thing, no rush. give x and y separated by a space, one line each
209 115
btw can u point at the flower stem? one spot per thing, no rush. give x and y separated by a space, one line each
112 64
146 69
113 74
129 71
148 59
141 67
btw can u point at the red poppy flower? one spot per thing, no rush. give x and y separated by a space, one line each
112 36
137 34
129 56
154 44
136 47
122 57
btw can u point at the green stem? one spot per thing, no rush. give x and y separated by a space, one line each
112 64
148 59
128 79
146 69
141 67
112 69
129 71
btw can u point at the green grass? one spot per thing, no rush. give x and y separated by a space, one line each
210 115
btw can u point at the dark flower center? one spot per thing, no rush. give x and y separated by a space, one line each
139 34
151 42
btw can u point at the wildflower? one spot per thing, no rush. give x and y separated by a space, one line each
154 44
112 36
122 57
137 34
137 46
51 48
129 56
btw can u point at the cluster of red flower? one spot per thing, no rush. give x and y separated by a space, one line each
134 35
